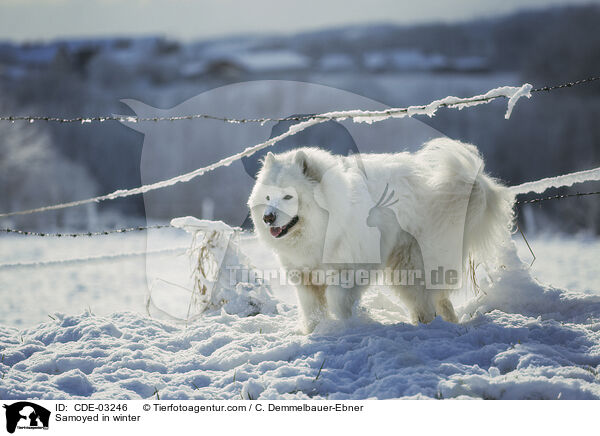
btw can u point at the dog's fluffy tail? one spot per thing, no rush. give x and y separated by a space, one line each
489 216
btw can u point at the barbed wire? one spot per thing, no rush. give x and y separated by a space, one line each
557 197
136 119
169 226
566 85
98 233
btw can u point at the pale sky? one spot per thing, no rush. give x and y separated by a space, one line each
27 20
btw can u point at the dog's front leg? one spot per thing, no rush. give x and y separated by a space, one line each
340 301
312 305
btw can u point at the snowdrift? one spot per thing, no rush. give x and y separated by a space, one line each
519 339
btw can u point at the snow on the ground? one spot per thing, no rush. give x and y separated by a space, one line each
521 340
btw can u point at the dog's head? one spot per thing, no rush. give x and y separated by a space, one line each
282 205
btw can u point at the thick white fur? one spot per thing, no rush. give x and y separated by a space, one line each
435 188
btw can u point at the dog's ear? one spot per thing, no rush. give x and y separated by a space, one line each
269 159
302 160
309 169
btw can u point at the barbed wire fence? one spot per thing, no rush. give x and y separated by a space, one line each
136 119
305 121
359 116
169 226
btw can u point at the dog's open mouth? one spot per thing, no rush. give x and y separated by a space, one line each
278 232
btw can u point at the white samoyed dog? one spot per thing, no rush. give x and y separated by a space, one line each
339 224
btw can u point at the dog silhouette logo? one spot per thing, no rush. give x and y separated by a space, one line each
26 415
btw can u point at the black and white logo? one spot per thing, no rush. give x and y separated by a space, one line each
26 415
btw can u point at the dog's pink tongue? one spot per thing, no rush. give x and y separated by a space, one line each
275 231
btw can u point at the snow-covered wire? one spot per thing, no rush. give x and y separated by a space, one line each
542 185
513 93
136 119
102 258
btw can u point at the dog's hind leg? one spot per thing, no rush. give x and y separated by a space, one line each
444 308
312 305
415 298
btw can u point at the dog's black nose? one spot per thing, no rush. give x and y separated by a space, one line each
269 218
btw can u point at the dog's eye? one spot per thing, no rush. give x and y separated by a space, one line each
287 197
268 198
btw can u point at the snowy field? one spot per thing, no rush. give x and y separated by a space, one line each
80 330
